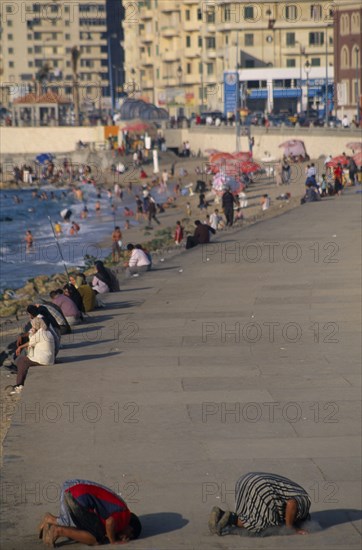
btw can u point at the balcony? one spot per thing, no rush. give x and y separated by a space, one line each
190 26
191 54
146 14
191 78
147 61
211 54
169 32
147 83
146 37
167 7
171 56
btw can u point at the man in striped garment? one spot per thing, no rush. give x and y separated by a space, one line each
264 500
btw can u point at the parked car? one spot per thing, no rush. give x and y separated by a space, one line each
279 120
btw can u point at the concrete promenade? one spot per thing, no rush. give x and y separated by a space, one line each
243 355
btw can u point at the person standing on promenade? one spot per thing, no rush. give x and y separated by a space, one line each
92 514
179 233
116 243
228 201
264 500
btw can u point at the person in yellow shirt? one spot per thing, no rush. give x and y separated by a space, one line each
85 290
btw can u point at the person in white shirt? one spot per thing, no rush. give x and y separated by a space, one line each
138 261
40 351
215 220
328 159
345 121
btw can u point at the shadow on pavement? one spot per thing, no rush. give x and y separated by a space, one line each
85 357
329 518
161 522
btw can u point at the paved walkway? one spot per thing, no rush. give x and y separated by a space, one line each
241 356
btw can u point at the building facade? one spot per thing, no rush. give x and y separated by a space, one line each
348 57
37 40
177 52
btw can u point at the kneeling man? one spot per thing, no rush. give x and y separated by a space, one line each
264 500
92 514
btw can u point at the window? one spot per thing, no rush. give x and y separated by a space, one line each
11 64
188 15
10 23
158 74
249 40
210 42
199 14
210 15
188 68
316 12
10 50
290 39
10 37
355 23
157 49
227 39
248 12
200 67
344 24
249 63
316 38
30 50
355 90
37 36
291 12
67 23
227 14
199 41
67 36
188 41
315 61
30 64
290 62
331 40
37 49
345 58
210 68
9 9
29 36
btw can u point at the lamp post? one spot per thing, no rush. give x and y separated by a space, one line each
179 76
357 88
133 72
326 100
307 68
301 53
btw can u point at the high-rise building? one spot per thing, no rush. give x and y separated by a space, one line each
37 39
176 52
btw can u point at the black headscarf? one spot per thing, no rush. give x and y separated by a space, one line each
102 274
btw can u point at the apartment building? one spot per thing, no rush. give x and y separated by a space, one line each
348 58
37 38
176 52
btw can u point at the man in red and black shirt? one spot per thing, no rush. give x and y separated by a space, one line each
92 514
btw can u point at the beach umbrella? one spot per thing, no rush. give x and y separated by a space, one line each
136 127
355 145
340 159
44 157
220 156
243 155
294 148
249 167
358 158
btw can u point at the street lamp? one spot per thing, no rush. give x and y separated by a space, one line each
357 88
326 100
301 53
307 68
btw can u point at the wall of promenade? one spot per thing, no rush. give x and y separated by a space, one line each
318 141
27 140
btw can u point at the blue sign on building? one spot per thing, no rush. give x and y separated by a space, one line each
231 92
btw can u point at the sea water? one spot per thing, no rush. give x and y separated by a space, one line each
17 264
